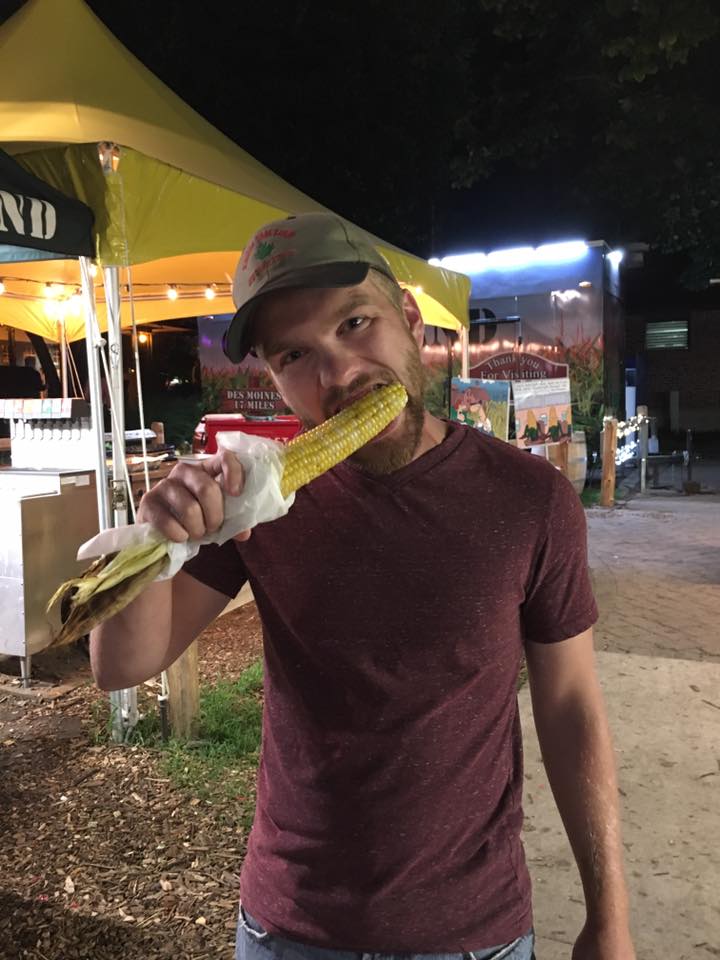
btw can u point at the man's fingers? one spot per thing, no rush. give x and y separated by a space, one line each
189 503
182 504
156 513
226 465
209 495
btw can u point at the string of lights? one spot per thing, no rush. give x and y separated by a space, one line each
626 428
23 288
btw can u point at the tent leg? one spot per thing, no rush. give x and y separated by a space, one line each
111 276
123 702
63 359
94 343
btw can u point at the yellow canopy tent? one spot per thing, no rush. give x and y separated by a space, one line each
178 200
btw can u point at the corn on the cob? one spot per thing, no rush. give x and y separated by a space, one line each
112 582
316 451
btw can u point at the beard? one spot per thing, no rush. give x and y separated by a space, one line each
388 454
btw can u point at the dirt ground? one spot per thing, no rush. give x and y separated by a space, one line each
100 856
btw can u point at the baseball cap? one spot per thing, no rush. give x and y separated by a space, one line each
309 250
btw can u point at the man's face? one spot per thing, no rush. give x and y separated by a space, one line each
325 348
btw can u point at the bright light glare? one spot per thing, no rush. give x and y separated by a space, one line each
143 338
2 288
514 258
616 257
172 293
209 293
565 296
564 252
464 262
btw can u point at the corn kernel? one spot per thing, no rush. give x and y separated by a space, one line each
323 447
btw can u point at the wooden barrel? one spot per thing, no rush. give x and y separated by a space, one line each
571 458
577 461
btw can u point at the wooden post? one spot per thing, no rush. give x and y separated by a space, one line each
184 693
609 446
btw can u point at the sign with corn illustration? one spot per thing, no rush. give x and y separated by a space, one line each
115 579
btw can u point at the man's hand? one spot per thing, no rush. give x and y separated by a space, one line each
604 944
189 502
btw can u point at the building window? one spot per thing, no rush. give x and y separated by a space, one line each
666 335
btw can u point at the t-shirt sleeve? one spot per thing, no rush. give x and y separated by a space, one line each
559 601
219 567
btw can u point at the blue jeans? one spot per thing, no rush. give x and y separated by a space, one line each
254 943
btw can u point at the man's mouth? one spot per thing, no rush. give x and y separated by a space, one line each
357 395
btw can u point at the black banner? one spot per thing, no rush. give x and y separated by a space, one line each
34 214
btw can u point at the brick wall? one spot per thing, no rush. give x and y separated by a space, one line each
694 373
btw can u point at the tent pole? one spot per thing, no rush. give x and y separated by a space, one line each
63 358
93 343
465 353
123 702
111 279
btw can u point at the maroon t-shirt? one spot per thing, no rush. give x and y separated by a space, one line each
394 612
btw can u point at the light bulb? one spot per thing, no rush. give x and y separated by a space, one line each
143 338
210 292
2 288
172 293
93 269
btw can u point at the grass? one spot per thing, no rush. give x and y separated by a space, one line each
590 496
221 763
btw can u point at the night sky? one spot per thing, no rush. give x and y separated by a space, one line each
466 124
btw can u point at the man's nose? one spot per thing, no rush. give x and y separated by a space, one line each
338 367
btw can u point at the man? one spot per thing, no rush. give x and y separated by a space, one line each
35 379
388 804
21 381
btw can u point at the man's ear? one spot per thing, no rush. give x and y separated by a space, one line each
413 317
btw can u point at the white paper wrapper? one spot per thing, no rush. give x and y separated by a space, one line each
259 502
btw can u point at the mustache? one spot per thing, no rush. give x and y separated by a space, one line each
338 395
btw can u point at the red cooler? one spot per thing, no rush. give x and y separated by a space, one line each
283 427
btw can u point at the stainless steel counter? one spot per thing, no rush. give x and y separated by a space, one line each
45 515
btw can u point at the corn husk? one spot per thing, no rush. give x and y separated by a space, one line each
105 588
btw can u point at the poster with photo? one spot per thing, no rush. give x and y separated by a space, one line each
482 404
233 387
542 411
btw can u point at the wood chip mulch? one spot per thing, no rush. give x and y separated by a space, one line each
101 856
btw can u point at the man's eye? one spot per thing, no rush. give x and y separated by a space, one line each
355 323
291 356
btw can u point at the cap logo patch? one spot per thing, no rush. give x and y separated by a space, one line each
265 265
259 245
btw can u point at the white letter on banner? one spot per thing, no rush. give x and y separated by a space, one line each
43 219
13 206
50 221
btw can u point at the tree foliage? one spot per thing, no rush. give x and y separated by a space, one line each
619 99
